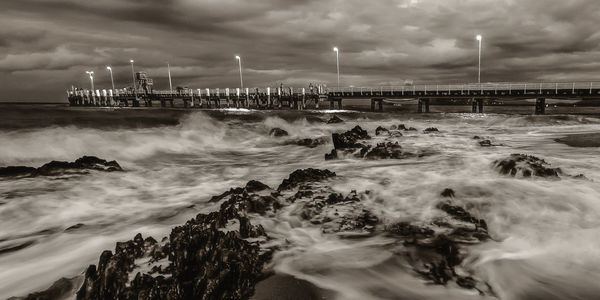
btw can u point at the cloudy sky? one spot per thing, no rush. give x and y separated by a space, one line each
47 45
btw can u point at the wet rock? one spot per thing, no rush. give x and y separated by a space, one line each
526 166
74 227
485 143
348 139
302 176
398 127
411 129
61 289
461 214
278 132
335 120
311 143
406 229
204 259
387 150
53 168
448 193
381 130
255 186
17 171
332 155
430 130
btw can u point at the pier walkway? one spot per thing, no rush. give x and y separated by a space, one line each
299 98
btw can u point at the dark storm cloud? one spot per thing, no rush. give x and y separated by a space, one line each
46 45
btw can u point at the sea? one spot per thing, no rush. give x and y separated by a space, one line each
545 232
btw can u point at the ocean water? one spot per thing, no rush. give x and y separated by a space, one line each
546 233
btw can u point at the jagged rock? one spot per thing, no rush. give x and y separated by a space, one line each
383 151
461 214
206 259
406 229
485 143
61 289
332 155
311 143
338 214
447 192
278 132
348 139
251 187
81 165
430 130
255 186
398 127
335 120
302 176
17 171
381 130
526 166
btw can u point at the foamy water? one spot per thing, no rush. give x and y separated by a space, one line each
546 233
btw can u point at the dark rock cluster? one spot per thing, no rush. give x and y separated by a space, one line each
80 166
526 166
302 176
436 249
354 142
334 120
278 132
310 143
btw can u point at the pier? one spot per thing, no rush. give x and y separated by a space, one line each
477 95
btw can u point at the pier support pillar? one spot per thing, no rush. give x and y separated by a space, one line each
473 106
540 106
163 103
378 102
480 105
423 104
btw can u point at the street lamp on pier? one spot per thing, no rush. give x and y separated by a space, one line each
478 37
112 81
91 73
239 59
337 59
170 83
133 77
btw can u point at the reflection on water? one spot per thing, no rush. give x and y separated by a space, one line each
546 233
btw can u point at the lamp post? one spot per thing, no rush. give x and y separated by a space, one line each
91 73
133 77
337 59
478 37
112 81
239 59
170 83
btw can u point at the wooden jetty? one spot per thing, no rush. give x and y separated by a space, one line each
300 98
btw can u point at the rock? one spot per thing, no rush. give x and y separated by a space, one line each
255 186
384 151
461 214
53 168
335 120
302 176
381 130
411 129
406 229
430 130
398 127
332 155
205 258
448 193
278 132
61 289
485 143
526 166
348 139
17 171
311 143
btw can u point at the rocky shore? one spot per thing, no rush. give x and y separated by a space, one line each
228 254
